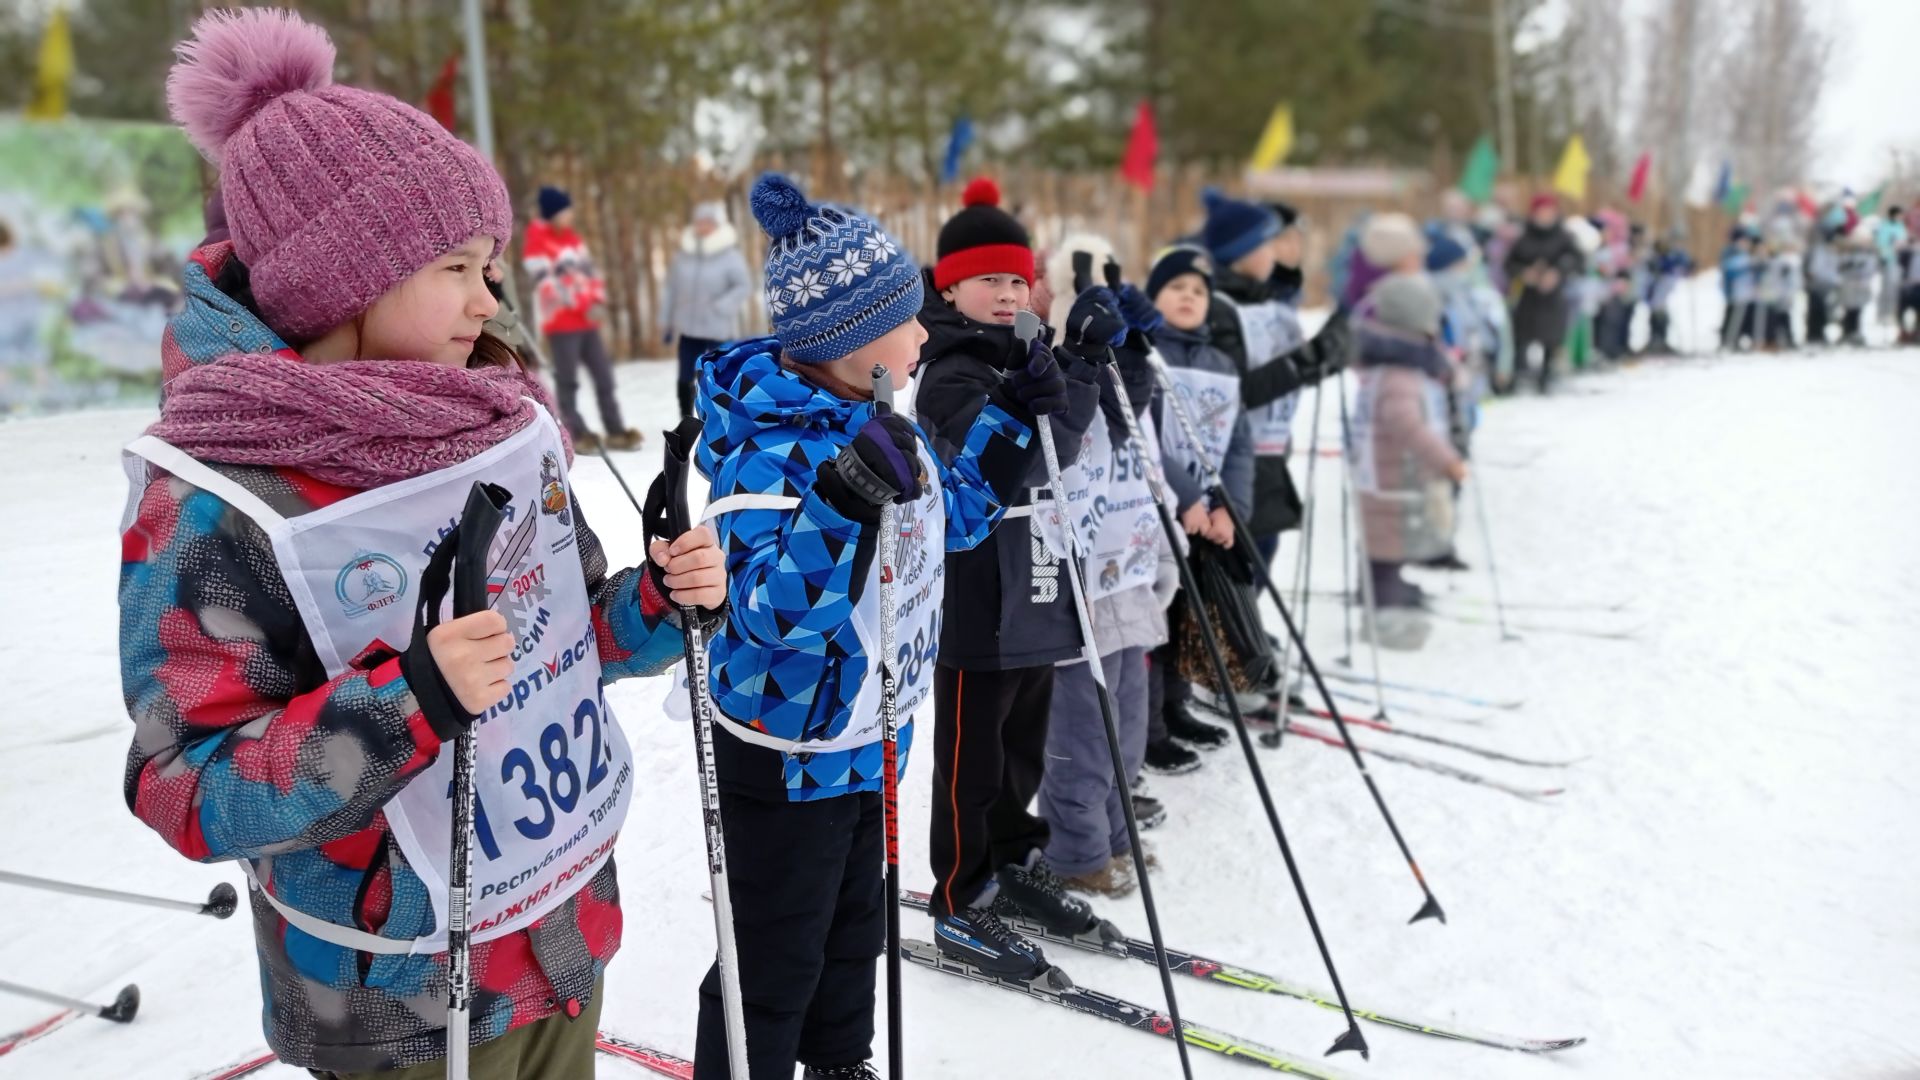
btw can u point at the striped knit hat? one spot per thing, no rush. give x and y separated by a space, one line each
835 281
333 195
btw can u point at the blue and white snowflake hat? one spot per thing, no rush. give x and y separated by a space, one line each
835 280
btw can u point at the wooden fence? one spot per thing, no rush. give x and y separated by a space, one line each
634 221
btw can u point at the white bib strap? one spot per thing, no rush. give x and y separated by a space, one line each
748 501
181 464
333 933
758 738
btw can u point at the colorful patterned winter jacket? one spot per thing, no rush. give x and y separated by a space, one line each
789 662
244 749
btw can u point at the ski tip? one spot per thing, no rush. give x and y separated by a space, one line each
1429 910
1352 1040
222 902
1548 1046
125 1004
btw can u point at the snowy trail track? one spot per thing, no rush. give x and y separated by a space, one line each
1727 889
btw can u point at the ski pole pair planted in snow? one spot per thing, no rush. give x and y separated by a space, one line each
1352 1039
1242 535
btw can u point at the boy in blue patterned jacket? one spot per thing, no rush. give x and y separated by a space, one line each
801 467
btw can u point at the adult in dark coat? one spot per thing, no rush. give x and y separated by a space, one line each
1541 261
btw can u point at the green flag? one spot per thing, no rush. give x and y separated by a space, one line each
1736 199
1483 168
1871 204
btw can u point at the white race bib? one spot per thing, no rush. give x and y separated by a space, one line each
1211 402
1121 527
553 772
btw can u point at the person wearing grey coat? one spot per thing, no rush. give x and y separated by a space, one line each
1087 827
706 286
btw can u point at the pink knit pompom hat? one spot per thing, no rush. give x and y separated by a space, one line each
334 195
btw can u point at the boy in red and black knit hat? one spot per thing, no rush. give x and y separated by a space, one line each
1007 615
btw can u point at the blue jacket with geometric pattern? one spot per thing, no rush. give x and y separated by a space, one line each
788 662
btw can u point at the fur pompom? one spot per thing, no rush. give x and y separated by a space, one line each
238 61
780 206
981 191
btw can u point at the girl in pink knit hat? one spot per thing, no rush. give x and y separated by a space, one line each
331 397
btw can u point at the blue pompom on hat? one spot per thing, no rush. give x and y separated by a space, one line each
552 201
1234 227
835 281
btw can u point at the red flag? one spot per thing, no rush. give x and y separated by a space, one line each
1807 206
1637 187
439 104
1143 148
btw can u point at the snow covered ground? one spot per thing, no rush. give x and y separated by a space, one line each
1729 886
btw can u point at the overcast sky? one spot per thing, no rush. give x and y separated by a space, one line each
1872 97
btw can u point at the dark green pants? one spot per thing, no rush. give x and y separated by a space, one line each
551 1048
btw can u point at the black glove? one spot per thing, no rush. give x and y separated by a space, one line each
1094 323
1328 351
1139 311
1137 373
1035 388
881 465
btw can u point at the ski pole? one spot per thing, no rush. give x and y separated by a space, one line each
1347 587
120 1010
890 750
1431 908
479 522
666 517
1302 575
1486 534
1026 327
220 903
1203 622
1366 593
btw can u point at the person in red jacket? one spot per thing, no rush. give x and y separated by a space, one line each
571 300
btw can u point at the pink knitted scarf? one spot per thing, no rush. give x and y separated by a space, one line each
359 424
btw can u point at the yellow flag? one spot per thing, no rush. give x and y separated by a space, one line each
56 67
1276 140
1570 179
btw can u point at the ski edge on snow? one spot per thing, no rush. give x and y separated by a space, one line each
1215 971
1091 1002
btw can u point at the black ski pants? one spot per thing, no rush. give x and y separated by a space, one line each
810 921
989 754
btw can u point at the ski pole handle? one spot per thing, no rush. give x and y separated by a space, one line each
486 509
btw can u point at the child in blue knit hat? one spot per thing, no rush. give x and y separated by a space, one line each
802 464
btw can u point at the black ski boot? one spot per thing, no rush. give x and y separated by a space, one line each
1169 758
976 936
857 1071
1182 725
1031 890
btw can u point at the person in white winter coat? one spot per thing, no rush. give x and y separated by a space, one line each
706 286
